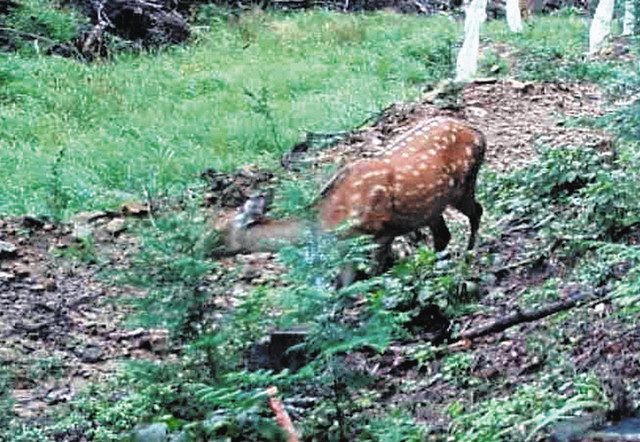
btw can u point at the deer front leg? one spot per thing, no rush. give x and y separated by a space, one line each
382 261
441 234
382 256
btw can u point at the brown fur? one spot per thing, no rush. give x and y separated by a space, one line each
433 165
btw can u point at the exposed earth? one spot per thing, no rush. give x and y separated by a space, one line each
54 305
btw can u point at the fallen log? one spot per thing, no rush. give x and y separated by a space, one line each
522 316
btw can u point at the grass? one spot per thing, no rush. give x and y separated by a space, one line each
87 136
551 48
147 124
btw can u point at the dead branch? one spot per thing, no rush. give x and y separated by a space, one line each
282 417
522 316
420 7
522 263
27 34
95 34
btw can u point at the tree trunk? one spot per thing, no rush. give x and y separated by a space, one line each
514 20
600 25
628 24
467 63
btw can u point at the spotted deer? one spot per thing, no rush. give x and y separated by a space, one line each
432 166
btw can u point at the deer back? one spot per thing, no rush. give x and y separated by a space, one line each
433 165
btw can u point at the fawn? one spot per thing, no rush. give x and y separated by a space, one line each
433 165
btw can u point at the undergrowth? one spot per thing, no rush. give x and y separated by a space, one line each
551 49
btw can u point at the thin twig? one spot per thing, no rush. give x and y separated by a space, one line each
28 34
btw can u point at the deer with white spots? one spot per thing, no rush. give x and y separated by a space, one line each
432 166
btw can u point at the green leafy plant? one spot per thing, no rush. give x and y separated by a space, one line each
259 103
42 22
43 368
82 249
526 413
492 63
59 194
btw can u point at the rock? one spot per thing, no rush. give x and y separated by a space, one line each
134 209
91 354
88 217
81 231
21 270
59 395
83 223
150 433
115 226
520 86
32 222
8 250
155 341
7 276
37 288
275 352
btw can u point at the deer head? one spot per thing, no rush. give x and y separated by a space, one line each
432 166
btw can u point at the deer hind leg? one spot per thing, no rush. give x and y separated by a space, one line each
440 232
472 210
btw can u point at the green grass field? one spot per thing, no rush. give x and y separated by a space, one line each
77 136
152 122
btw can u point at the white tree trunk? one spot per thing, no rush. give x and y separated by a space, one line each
467 62
600 25
628 23
514 20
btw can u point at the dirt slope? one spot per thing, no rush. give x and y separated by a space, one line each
59 307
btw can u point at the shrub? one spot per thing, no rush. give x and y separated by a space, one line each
42 21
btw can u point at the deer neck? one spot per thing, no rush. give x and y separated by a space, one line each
266 236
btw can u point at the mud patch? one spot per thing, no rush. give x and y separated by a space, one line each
59 310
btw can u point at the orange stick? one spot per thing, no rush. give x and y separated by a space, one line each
282 417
